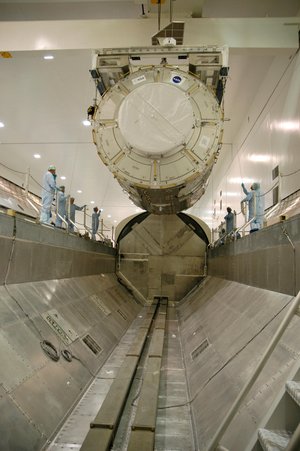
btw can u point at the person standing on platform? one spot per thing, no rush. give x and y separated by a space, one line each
73 207
61 206
229 219
256 207
95 222
49 188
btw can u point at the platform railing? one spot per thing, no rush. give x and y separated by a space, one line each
215 444
63 219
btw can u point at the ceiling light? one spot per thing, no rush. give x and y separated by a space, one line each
286 125
37 155
79 191
63 177
259 158
1 124
115 220
92 201
86 123
109 216
48 57
240 180
231 194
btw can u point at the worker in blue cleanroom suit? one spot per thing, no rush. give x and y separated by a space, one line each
49 188
95 222
72 209
256 206
61 206
230 220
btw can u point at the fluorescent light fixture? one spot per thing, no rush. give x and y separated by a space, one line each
231 194
109 216
86 123
37 156
285 125
48 57
1 125
63 177
259 158
239 180
92 201
79 191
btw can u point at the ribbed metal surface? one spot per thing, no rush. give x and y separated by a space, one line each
239 322
38 253
257 259
6 225
173 423
37 392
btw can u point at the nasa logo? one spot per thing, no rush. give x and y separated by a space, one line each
176 79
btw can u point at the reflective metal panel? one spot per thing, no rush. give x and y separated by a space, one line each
16 432
14 368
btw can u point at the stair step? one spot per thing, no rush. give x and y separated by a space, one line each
274 440
293 389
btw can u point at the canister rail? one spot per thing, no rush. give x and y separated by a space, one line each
104 426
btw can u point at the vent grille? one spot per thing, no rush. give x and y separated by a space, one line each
205 343
275 195
92 344
275 172
173 30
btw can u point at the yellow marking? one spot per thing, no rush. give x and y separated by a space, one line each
191 156
6 54
155 169
193 89
118 157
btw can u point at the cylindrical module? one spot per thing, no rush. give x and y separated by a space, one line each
159 130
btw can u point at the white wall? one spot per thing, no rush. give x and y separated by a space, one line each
268 136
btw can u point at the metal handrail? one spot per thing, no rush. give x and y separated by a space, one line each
73 224
63 219
247 387
245 225
86 228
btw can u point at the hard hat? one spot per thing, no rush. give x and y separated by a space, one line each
51 168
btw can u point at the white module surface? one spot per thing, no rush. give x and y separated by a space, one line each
158 130
156 118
